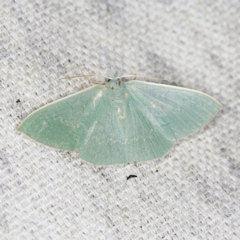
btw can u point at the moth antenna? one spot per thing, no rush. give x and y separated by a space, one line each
86 76
146 77
97 82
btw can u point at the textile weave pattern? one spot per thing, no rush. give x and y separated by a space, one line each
191 193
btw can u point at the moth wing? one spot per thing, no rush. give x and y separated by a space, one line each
84 122
176 112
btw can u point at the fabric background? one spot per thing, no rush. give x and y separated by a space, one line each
191 193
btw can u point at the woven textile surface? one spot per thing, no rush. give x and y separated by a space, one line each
191 193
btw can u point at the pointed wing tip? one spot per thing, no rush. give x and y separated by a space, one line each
19 127
218 104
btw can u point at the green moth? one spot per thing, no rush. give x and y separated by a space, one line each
121 121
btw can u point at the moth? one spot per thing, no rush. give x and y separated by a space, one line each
121 121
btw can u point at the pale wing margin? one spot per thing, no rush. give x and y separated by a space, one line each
177 112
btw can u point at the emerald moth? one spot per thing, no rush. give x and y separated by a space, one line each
121 121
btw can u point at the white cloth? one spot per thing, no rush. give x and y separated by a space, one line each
192 193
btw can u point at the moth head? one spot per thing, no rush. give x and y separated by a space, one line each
113 83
